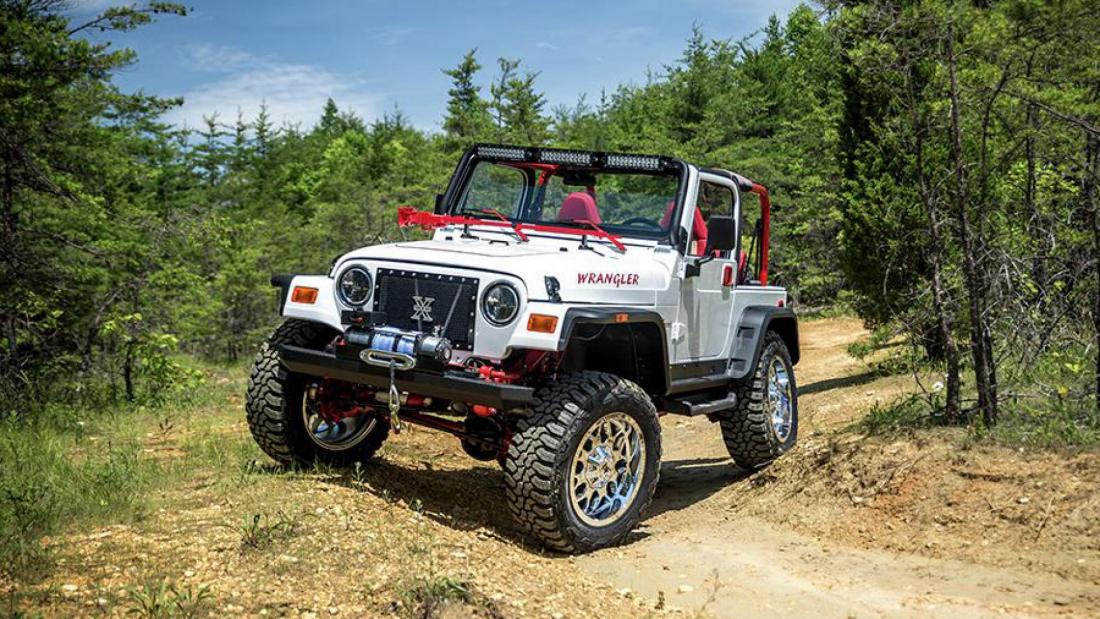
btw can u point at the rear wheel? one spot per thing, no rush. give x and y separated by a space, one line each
764 425
582 467
297 419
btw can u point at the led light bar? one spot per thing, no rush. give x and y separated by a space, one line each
635 162
567 157
501 152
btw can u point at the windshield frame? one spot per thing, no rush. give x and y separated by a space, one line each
527 160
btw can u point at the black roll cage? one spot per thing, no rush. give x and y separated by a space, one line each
447 202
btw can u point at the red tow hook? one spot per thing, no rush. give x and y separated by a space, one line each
483 411
496 376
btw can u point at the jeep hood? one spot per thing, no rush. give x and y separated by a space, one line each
599 275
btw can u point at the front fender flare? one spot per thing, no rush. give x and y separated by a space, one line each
323 310
624 316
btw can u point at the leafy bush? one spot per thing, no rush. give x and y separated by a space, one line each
1048 405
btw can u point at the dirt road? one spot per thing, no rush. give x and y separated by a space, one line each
693 540
844 526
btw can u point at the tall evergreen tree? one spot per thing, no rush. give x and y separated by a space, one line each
467 118
518 106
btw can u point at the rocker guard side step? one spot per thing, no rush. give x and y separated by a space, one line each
694 408
448 385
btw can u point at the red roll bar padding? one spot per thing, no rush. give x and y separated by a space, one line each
766 223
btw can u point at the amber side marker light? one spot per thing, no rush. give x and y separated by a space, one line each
302 294
621 318
541 323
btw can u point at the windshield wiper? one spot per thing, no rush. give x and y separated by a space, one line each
495 213
614 238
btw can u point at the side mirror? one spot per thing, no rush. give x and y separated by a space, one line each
721 234
695 264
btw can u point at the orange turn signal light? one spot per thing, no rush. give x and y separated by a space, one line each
541 323
302 294
621 318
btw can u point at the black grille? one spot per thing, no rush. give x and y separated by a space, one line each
426 301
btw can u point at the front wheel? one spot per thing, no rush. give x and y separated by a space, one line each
583 466
764 424
298 419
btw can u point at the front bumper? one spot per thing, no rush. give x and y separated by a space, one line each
447 385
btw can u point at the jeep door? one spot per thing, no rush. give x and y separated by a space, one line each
702 329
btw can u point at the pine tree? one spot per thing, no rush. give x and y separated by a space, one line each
518 106
467 118
330 122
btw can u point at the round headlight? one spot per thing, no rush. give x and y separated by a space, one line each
354 286
500 304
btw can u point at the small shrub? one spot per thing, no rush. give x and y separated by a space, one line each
426 597
260 531
903 415
161 599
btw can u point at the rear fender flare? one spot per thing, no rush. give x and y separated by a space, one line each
748 341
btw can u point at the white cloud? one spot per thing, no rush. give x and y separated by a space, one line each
545 45
294 92
82 7
389 35
218 58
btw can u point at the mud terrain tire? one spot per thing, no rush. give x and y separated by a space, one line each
749 430
537 467
274 404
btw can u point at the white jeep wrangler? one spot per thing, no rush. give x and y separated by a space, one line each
565 300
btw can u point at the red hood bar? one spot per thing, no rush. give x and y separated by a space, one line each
410 216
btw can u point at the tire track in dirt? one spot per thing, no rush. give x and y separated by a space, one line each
695 551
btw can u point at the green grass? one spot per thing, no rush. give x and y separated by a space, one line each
67 465
901 416
1041 423
51 481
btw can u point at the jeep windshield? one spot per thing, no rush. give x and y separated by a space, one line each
623 202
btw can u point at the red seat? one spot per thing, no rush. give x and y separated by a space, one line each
698 229
579 206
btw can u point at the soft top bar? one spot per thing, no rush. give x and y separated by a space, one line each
751 186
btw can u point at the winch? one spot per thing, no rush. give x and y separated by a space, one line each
387 346
393 349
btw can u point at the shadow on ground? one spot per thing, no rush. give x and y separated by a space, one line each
839 383
472 499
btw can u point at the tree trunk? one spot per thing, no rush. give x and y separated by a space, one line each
128 371
7 255
1035 226
1092 205
980 336
940 302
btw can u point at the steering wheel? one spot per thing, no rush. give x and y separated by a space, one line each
644 221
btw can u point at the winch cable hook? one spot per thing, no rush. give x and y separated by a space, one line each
394 400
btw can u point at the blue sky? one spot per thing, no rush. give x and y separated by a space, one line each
370 56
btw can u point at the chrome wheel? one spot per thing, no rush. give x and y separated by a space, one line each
607 470
334 436
780 399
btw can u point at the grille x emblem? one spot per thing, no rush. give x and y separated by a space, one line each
422 308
